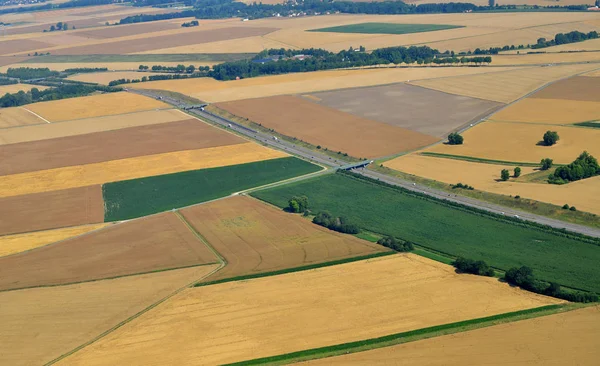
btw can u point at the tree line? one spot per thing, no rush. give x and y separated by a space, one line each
61 92
585 166
8 81
27 73
565 38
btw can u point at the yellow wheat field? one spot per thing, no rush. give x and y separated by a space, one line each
504 86
549 111
211 90
11 244
595 73
107 77
131 168
583 194
545 58
518 142
561 339
89 125
14 88
240 45
18 116
95 106
38 325
274 315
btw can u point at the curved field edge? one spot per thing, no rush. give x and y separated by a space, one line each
145 196
410 336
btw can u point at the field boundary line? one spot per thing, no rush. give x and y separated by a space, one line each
479 160
199 236
37 115
131 318
410 336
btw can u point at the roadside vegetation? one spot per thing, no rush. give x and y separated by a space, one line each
61 92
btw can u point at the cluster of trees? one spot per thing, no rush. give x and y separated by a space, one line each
61 92
462 186
550 138
570 208
546 163
564 38
179 68
298 204
455 139
81 70
395 244
471 266
340 224
193 23
157 77
505 174
525 279
585 166
8 81
60 26
27 73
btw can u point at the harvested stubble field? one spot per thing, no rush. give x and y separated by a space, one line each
98 147
323 126
129 29
132 168
447 229
550 111
595 74
254 237
12 244
504 86
95 106
108 76
151 244
39 325
18 116
145 196
579 88
49 210
423 110
582 194
238 321
569 338
88 125
15 88
12 47
591 58
518 142
213 91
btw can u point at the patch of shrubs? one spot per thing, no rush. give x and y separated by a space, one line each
472 266
550 138
585 166
546 163
297 204
525 279
340 224
462 186
395 244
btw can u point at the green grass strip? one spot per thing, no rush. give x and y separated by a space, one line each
394 339
386 28
296 269
588 124
480 160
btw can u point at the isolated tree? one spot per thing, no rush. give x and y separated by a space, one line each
550 138
298 204
517 172
65 27
546 163
504 175
455 139
52 28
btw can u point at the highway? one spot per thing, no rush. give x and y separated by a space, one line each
329 162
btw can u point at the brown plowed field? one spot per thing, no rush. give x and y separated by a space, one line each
561 339
39 325
330 128
576 88
269 316
254 237
170 40
21 45
18 116
98 147
419 109
129 30
50 210
150 244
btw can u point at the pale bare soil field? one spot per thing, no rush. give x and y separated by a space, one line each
550 111
237 321
88 125
131 168
50 210
150 244
569 338
327 127
117 31
191 134
583 194
107 77
12 47
505 86
254 237
213 91
39 325
95 106
518 142
7 60
423 110
12 244
14 88
578 88
18 116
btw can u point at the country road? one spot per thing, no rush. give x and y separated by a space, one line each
329 162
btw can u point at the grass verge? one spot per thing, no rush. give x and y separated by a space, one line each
588 124
410 336
198 57
386 28
479 160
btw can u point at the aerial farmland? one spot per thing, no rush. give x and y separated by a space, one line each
318 182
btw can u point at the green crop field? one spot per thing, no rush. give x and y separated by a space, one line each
386 28
144 196
446 229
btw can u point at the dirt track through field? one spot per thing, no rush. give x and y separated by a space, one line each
49 210
125 143
39 325
327 127
17 116
238 321
255 237
562 339
150 244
